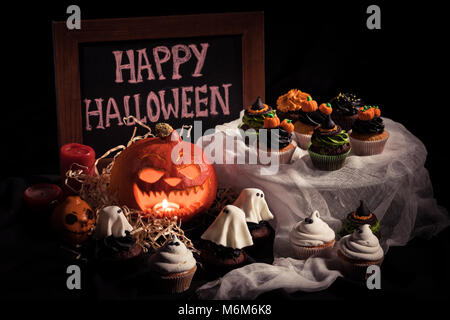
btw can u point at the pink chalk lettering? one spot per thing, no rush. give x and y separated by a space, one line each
159 61
142 55
153 97
120 66
201 57
215 96
177 60
199 101
186 102
131 122
116 115
171 108
98 113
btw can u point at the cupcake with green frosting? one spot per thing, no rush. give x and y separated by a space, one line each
254 115
330 145
362 215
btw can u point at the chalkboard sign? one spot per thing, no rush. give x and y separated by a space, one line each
177 69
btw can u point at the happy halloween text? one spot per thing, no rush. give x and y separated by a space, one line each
134 66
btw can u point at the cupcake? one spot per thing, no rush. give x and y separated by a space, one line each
222 244
173 266
254 115
311 236
309 118
115 244
257 214
359 250
368 136
345 108
329 144
289 104
359 217
276 140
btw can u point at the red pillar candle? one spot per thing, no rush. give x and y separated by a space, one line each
76 156
39 197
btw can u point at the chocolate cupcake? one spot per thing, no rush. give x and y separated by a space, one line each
345 107
115 244
359 217
222 244
254 115
276 140
329 145
257 214
368 136
309 118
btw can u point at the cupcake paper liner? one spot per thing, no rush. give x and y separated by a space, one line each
303 140
176 282
367 148
356 270
284 157
303 253
328 163
345 122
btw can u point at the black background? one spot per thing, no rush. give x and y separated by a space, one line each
320 48
223 65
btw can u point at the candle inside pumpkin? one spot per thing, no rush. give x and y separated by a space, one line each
165 207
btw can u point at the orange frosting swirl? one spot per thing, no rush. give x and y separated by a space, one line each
292 100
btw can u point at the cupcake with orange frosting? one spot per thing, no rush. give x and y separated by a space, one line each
290 103
368 136
254 115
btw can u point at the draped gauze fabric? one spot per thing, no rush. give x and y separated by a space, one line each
395 186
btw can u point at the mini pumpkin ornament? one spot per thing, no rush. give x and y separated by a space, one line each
325 108
309 105
287 125
164 176
73 220
367 113
271 122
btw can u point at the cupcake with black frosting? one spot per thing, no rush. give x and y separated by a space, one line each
254 115
276 140
330 144
309 118
222 244
114 240
345 108
368 136
362 215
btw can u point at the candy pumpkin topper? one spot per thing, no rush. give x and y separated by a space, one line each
367 113
164 176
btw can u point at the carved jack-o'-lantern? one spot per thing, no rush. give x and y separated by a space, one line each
164 176
73 220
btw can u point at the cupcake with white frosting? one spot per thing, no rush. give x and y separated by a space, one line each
311 236
360 250
173 266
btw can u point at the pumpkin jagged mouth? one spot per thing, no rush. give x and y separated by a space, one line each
189 199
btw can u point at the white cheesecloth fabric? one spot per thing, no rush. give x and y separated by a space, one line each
394 185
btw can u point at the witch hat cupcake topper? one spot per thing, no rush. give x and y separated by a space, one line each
362 210
258 105
328 123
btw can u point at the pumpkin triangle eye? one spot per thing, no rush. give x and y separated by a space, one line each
151 175
191 171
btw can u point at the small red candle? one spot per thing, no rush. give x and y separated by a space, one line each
40 196
76 156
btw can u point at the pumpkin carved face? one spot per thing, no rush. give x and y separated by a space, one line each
164 168
73 219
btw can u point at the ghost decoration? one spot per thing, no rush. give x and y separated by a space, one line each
229 229
254 205
112 222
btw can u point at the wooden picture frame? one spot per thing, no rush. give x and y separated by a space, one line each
250 25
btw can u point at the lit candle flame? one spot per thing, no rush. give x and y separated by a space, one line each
165 206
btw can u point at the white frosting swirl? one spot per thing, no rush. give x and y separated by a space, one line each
173 257
311 232
362 244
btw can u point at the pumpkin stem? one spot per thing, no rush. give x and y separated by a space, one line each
163 130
